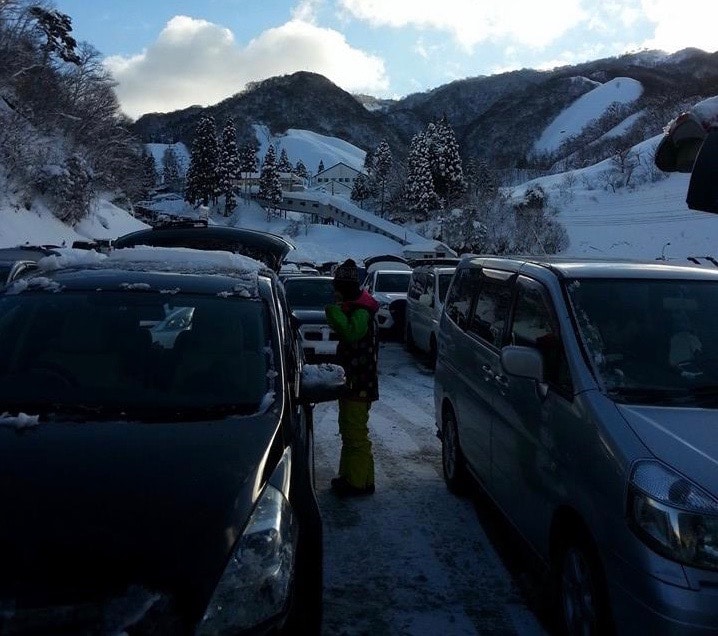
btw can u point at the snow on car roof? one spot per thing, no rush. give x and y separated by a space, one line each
165 259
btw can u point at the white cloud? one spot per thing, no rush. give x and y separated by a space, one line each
533 24
197 62
689 23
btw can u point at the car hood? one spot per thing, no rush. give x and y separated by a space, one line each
92 510
684 438
310 316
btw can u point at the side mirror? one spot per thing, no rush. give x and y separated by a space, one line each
703 187
524 362
321 383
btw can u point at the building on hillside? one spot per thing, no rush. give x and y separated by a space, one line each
338 179
289 182
430 249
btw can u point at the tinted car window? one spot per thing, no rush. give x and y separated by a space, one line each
458 303
491 311
309 294
656 338
417 286
133 351
534 326
396 282
444 282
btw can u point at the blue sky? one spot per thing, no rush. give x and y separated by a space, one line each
169 54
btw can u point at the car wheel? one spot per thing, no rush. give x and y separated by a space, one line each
409 342
581 593
452 459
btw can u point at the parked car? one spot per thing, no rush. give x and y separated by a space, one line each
583 397
307 297
157 487
18 262
389 287
196 234
424 302
13 269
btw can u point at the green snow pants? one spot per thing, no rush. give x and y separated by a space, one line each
356 463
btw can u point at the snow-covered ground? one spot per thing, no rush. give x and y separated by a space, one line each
412 559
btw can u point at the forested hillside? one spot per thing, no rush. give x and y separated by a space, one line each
63 138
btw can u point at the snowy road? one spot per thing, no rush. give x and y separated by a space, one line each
413 559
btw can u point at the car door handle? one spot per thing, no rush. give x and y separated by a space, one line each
501 380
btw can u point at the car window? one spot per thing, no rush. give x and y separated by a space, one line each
444 282
392 282
309 294
132 350
461 295
653 336
534 325
491 311
417 285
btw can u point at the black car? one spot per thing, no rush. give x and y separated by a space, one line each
20 261
196 234
157 486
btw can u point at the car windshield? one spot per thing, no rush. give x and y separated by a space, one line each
309 294
650 341
444 282
397 282
133 351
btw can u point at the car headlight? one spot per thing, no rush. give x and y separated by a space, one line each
255 585
673 515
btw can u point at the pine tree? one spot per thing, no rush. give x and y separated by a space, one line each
301 170
202 180
361 190
383 163
320 168
247 164
270 188
171 171
229 165
445 162
420 195
149 173
284 165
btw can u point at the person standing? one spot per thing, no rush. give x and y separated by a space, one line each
352 318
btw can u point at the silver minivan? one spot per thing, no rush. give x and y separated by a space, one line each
583 397
424 302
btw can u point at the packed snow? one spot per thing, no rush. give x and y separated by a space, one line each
572 120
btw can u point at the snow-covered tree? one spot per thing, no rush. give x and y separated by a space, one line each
229 165
445 160
361 190
202 183
419 191
149 172
301 170
72 190
383 163
56 28
283 165
320 168
247 163
171 170
270 187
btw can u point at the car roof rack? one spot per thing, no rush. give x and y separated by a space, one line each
417 262
176 222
